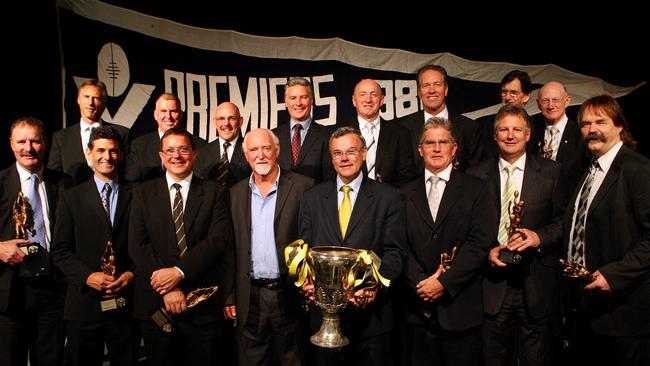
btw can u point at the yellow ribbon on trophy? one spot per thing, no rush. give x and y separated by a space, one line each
296 257
368 258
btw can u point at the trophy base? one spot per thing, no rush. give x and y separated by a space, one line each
112 303
511 257
163 320
31 248
329 335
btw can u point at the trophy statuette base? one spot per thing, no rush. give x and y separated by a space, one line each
162 319
31 248
112 303
511 257
330 335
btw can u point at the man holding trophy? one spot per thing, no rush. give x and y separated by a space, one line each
357 212
449 230
91 249
31 300
521 298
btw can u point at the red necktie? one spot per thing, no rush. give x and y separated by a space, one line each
295 143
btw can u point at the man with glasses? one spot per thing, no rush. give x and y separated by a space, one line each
357 212
223 159
446 212
179 240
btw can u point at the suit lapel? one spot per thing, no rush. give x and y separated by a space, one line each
237 153
532 176
384 142
567 141
310 140
75 148
418 196
285 141
193 205
610 178
285 185
90 194
364 199
331 211
123 201
451 195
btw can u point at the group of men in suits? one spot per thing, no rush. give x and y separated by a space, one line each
413 191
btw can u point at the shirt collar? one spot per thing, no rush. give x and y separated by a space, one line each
185 183
84 125
374 122
305 124
443 175
355 184
253 187
232 143
100 184
606 160
24 174
443 114
519 164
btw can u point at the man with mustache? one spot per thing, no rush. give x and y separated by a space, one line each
223 159
264 301
142 161
607 228
67 154
31 296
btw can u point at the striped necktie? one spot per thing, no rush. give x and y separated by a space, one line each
506 197
37 235
576 248
179 223
223 170
295 144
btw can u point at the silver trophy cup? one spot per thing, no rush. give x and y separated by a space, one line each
331 266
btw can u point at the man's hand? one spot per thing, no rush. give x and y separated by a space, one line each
493 258
99 281
307 290
230 312
175 301
361 298
165 279
599 283
10 253
121 282
523 240
430 288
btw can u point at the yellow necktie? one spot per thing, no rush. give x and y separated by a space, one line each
345 211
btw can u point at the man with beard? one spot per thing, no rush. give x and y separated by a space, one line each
223 159
265 211
142 161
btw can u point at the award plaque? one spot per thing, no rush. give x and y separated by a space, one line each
515 210
110 301
24 222
164 319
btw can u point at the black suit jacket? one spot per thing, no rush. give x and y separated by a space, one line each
291 186
572 152
152 243
617 243
80 234
377 224
55 182
394 162
314 159
463 220
544 199
468 136
67 155
207 162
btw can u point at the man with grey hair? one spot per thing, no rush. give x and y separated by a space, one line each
355 211
260 296
303 141
446 212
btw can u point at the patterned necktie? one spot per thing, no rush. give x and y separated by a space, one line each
345 211
369 136
295 143
106 201
553 141
37 235
179 223
506 197
433 197
223 170
576 249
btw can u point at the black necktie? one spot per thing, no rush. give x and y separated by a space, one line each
106 201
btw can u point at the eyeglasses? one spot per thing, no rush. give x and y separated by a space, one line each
231 119
512 93
438 144
547 101
350 153
183 150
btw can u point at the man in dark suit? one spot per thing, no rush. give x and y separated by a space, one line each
265 216
211 162
444 313
389 158
179 237
67 154
557 137
376 223
432 90
521 301
303 142
607 227
143 162
89 215
31 297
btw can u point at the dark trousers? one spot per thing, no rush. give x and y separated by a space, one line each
86 341
34 322
187 344
271 335
372 351
512 334
432 345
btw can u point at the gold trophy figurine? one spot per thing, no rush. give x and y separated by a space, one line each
576 271
164 320
515 209
23 223
545 150
110 301
446 258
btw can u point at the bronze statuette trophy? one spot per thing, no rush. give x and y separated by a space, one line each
24 220
446 259
110 301
515 209
576 271
164 320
